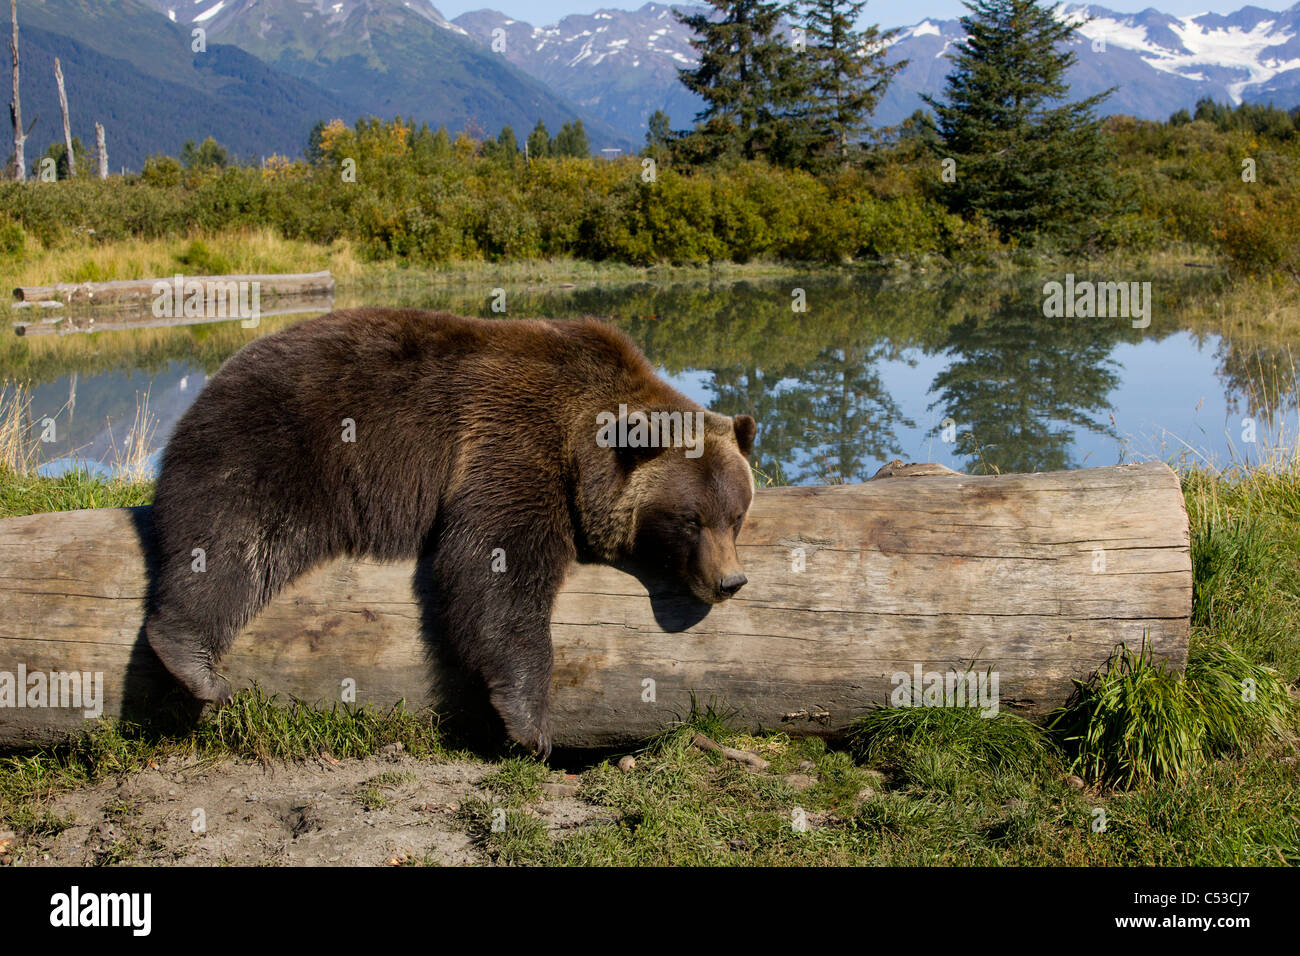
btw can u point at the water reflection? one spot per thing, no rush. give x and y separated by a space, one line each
1018 387
968 373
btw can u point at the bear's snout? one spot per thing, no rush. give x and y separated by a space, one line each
732 583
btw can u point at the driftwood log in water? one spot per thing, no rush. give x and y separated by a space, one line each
143 292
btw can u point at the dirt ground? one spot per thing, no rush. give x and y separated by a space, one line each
382 810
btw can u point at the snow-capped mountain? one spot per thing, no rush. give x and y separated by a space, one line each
1253 54
622 64
219 13
390 57
618 66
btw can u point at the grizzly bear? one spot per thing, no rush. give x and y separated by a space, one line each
499 451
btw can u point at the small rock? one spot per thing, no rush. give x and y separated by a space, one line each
6 860
627 764
800 781
556 789
7 835
1074 782
393 749
806 766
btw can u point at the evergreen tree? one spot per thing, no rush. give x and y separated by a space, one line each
847 70
571 140
207 154
743 72
315 152
659 131
504 148
59 153
1025 159
539 142
507 142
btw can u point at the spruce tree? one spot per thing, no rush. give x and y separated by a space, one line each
571 140
1026 160
739 75
847 70
539 142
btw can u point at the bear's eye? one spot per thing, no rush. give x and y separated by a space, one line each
691 521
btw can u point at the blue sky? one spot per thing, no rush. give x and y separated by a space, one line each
888 13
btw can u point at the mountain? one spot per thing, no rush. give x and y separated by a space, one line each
622 65
619 64
272 68
1253 54
391 56
153 103
1159 63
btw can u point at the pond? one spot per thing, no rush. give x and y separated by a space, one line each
967 372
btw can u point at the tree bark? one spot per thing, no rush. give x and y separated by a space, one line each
102 147
67 128
15 104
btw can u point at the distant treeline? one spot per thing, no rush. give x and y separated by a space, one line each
1223 178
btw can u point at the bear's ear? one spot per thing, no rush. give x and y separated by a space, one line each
745 427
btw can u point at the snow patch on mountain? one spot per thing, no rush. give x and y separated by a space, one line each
1204 40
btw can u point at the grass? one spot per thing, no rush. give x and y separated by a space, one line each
262 251
1144 767
235 252
1139 722
1268 302
262 726
24 492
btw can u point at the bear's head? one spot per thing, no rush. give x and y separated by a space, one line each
685 500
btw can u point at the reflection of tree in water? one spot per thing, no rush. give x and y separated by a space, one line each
1019 381
826 421
1259 380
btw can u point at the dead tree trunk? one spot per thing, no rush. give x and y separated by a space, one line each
102 147
15 104
67 127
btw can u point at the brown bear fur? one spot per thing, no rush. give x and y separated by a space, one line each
470 435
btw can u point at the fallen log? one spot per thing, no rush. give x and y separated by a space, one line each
57 323
854 591
141 292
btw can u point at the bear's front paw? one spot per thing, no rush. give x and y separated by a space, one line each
214 689
542 748
536 738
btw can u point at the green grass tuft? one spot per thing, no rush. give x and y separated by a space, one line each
1138 721
256 724
905 737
